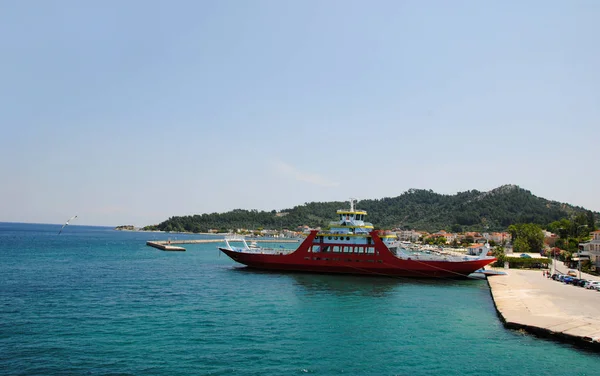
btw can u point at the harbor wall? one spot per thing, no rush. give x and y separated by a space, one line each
526 300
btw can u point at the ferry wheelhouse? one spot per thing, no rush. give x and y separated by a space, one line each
352 246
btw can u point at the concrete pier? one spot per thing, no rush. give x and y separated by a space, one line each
200 241
528 301
165 247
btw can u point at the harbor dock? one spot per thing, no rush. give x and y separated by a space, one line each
527 300
165 245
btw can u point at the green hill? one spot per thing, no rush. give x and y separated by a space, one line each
415 209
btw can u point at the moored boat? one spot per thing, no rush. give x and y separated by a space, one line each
352 246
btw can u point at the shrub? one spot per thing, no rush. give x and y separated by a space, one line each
526 263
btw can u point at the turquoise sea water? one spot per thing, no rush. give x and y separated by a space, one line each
94 301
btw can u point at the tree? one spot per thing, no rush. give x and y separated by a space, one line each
528 237
512 230
521 245
456 228
591 221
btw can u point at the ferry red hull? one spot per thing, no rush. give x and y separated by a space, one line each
380 263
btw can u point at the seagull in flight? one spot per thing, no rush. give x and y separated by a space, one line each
70 219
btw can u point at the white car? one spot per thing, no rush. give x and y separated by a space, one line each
592 285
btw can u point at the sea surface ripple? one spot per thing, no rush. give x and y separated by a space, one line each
94 301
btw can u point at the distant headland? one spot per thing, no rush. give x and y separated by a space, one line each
125 228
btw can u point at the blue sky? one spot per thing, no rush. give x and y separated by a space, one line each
128 112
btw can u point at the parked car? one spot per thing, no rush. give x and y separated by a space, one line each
525 255
572 273
567 279
556 276
582 282
591 284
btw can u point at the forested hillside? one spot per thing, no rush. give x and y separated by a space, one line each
415 209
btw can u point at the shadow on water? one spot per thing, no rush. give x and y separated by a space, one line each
343 284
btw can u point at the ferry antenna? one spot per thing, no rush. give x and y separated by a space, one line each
352 201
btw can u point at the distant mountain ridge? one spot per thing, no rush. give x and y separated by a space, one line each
418 209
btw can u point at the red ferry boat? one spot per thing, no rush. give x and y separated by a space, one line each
352 246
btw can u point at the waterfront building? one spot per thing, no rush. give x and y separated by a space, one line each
591 250
408 235
498 237
475 249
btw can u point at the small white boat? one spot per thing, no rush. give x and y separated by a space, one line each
253 247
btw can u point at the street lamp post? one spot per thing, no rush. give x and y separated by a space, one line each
579 252
554 252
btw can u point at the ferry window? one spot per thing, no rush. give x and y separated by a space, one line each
315 248
325 248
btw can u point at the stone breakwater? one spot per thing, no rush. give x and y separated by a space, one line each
526 300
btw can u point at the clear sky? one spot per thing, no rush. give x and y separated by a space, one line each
129 112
